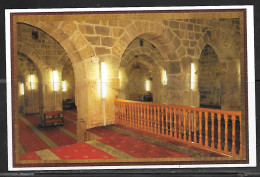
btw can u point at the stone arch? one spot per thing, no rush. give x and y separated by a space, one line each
220 41
228 54
39 77
156 33
79 52
32 54
67 40
150 57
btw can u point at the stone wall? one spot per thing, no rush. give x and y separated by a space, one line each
179 43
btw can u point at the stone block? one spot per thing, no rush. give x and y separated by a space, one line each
183 26
172 56
86 29
94 40
173 67
190 27
191 35
186 43
197 28
193 43
124 23
174 24
179 33
113 22
107 41
181 51
102 30
117 32
197 35
102 51
176 42
190 51
68 28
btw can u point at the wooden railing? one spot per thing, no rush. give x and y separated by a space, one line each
211 129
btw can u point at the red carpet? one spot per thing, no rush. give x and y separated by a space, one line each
29 140
57 136
136 143
29 156
136 147
80 151
169 140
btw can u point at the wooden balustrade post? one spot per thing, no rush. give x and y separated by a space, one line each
189 124
206 129
233 135
171 122
166 120
226 133
134 116
115 103
127 112
154 117
212 130
141 116
184 124
148 117
162 119
219 131
145 117
175 123
195 126
130 114
200 135
240 134
151 117
180 119
137 116
158 118
123 114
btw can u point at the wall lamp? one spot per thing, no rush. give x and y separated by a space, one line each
63 85
103 80
192 76
32 82
22 89
164 77
55 80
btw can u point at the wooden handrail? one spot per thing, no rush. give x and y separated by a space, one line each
211 129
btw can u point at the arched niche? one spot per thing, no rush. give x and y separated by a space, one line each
141 63
209 79
30 95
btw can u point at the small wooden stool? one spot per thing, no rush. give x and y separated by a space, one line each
53 118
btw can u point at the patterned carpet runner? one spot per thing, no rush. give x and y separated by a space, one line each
113 142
